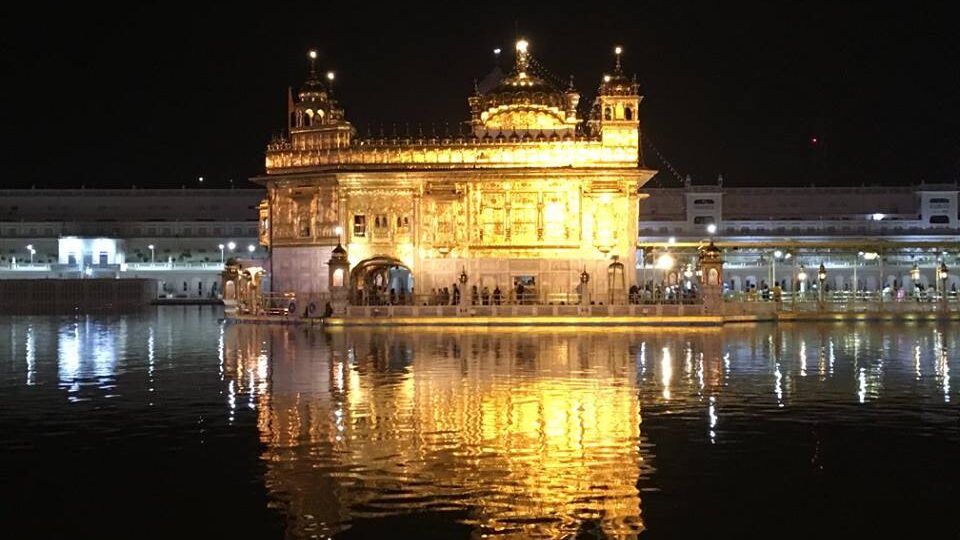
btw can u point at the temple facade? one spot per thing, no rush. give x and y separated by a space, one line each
533 193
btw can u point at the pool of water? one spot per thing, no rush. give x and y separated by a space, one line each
170 423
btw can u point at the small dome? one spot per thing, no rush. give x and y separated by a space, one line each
339 254
710 252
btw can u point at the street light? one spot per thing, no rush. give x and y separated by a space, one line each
773 266
221 246
32 252
822 277
251 248
942 274
232 245
802 277
712 228
665 261
151 252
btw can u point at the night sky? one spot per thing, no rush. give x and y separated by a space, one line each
157 95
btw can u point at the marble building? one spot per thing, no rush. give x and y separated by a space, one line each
533 191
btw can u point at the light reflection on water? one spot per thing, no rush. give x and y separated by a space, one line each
537 433
513 433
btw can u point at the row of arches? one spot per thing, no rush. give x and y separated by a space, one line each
625 114
307 118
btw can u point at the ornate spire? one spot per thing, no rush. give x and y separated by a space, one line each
312 55
523 57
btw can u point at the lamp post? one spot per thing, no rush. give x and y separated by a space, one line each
151 253
822 278
942 274
584 279
221 246
915 277
664 262
32 252
773 267
231 246
251 248
856 283
802 276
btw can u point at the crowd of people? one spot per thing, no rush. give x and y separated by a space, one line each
447 296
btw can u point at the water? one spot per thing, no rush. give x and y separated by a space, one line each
169 424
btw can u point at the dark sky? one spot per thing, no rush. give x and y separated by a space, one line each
157 95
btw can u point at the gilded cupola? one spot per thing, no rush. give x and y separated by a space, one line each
526 102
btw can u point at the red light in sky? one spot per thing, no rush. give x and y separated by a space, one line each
813 140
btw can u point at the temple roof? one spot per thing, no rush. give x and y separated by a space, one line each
524 100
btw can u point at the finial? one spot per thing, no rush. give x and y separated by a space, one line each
523 58
476 87
570 86
618 50
312 55
496 54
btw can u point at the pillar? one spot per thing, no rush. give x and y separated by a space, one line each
711 285
229 286
338 282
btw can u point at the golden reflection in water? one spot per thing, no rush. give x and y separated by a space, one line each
533 433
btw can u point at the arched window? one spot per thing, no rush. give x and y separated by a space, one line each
628 113
607 114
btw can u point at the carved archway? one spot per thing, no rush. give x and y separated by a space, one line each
372 279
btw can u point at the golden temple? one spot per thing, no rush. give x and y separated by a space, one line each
534 193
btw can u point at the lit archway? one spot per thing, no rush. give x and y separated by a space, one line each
381 280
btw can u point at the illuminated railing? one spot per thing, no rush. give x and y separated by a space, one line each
26 267
167 266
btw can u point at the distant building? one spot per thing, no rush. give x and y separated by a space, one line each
867 238
172 235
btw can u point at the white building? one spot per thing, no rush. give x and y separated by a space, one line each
178 236
867 238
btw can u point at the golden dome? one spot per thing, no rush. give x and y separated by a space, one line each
524 100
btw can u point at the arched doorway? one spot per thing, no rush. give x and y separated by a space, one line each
381 280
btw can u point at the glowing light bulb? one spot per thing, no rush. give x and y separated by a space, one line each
312 55
330 75
618 49
522 46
